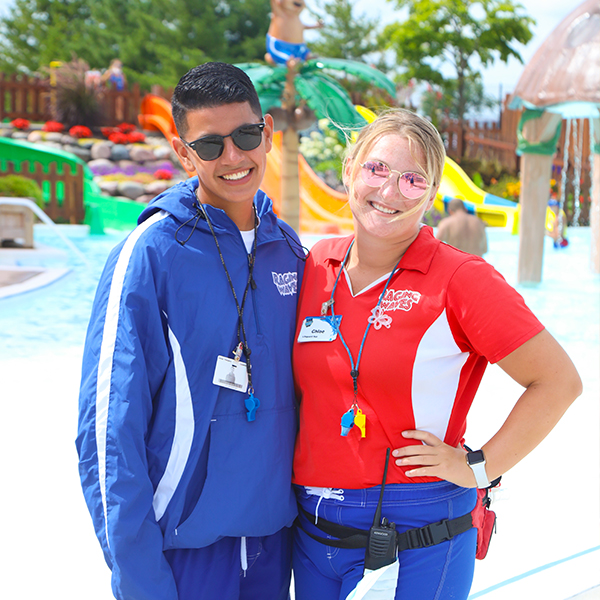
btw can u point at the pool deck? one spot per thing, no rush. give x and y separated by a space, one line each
24 269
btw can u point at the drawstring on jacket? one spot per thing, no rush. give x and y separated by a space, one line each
197 216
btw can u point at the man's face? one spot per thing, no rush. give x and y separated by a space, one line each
233 178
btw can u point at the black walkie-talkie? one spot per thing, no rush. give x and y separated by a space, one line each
381 544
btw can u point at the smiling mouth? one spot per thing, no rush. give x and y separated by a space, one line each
236 176
383 209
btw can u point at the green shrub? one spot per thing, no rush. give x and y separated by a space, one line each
21 187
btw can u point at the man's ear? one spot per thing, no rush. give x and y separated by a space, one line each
268 132
184 154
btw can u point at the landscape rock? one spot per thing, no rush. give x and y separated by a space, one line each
102 150
156 187
130 189
140 154
35 136
119 152
53 136
77 150
108 187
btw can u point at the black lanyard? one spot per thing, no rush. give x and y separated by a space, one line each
242 338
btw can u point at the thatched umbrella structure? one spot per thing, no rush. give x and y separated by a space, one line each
562 81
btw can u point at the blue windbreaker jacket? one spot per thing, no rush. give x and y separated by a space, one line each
167 459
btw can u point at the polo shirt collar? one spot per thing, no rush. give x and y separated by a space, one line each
418 257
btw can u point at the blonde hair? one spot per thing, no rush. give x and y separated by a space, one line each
423 139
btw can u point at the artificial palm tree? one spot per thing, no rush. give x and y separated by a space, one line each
298 94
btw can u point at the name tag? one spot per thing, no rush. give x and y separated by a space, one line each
319 329
231 374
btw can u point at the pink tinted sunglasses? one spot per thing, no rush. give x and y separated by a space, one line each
411 185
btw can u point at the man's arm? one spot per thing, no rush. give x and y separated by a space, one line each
115 409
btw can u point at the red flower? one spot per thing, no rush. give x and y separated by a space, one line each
135 137
80 131
53 126
118 138
20 124
126 127
163 174
106 131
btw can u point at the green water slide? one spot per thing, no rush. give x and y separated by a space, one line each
100 211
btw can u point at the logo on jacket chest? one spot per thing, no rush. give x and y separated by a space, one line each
286 283
393 300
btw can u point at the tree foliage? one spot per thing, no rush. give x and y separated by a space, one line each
455 33
441 101
157 40
344 34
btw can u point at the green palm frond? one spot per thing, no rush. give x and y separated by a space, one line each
352 67
328 99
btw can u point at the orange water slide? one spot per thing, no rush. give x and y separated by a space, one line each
155 115
322 209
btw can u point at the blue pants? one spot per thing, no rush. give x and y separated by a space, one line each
436 573
215 573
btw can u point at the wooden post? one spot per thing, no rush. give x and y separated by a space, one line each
290 178
536 171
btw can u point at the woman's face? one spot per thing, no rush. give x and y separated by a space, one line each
376 209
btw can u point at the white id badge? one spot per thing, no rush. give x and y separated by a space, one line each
231 374
319 329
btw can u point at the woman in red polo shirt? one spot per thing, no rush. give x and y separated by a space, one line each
394 334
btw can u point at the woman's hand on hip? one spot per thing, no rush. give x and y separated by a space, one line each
434 458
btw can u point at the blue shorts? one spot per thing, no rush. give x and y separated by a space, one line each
443 571
282 51
215 573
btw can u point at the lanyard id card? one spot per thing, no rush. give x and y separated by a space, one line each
231 374
319 329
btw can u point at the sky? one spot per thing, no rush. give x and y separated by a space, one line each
500 78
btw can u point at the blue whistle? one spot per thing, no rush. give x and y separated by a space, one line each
252 403
347 422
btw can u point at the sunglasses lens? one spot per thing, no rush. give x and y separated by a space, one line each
375 173
248 137
209 148
412 185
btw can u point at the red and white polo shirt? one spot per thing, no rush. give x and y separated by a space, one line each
444 316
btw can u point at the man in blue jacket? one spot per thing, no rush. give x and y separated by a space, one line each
187 413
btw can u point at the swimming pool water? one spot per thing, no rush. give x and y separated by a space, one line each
57 315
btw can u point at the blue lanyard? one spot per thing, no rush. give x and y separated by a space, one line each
330 303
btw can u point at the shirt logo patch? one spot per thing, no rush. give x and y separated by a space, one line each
393 300
286 283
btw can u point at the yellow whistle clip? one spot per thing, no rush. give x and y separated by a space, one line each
360 420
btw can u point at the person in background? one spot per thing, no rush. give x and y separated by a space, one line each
114 75
187 411
462 230
395 330
558 226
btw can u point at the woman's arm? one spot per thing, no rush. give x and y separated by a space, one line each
552 384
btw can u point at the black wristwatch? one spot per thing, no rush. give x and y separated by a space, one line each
476 460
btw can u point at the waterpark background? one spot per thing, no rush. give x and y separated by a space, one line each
549 529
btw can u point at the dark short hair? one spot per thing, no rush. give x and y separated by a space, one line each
208 86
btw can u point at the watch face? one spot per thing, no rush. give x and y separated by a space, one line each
475 457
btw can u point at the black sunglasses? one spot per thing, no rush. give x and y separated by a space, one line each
210 147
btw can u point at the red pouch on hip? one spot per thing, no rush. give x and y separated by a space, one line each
484 520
